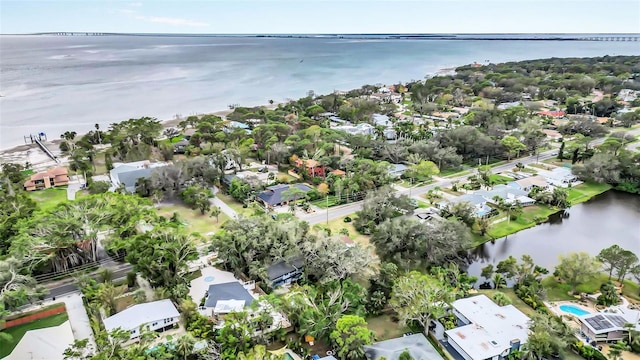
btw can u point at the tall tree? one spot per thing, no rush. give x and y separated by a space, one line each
577 268
350 337
420 298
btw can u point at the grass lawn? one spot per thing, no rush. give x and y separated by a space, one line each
631 290
336 225
49 198
194 221
235 205
586 191
524 221
322 203
519 304
541 166
453 173
385 328
17 332
559 291
499 179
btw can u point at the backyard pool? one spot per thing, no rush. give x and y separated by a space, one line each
571 309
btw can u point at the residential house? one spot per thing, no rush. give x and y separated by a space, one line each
527 184
560 176
417 345
489 331
397 170
339 173
609 327
552 134
360 129
181 146
273 196
227 297
508 105
127 174
478 202
628 95
232 125
381 120
508 194
313 168
553 114
285 272
426 214
157 316
47 179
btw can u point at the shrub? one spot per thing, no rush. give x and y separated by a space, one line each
347 219
99 187
131 279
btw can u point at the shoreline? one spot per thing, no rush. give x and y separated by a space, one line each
11 152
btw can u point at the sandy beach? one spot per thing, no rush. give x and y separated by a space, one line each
32 154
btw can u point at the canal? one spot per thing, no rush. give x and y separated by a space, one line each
607 219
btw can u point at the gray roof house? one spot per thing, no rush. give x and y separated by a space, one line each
157 316
273 196
381 120
508 194
285 272
479 202
397 170
227 297
129 173
417 345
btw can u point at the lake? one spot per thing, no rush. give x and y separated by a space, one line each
607 219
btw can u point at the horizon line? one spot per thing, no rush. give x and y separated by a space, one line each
328 34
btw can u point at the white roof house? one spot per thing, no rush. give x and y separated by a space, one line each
156 315
490 330
609 326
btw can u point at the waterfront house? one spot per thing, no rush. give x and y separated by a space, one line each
609 327
478 202
155 316
417 345
527 184
273 195
489 331
51 178
227 297
127 174
508 194
560 176
285 272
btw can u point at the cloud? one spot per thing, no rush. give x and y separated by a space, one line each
162 20
135 4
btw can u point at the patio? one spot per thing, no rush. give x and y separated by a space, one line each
210 276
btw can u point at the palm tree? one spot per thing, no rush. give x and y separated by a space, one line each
97 126
107 297
501 299
499 281
184 346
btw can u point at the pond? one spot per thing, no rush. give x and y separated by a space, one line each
607 219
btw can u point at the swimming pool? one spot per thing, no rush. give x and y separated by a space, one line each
571 309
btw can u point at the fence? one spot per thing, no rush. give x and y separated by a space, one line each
33 317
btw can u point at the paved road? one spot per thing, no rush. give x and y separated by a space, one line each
344 210
68 286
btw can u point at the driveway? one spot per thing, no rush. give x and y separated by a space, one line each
222 205
78 317
73 188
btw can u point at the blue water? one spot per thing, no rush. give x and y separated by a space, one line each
573 310
53 84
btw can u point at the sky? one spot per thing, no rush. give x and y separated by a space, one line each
320 16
